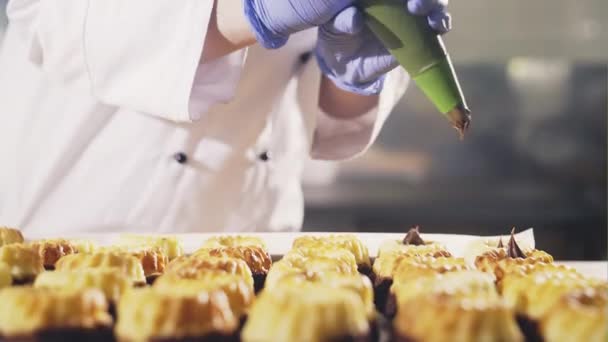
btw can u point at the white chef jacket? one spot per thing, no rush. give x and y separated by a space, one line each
108 122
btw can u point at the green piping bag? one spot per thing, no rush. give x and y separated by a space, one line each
420 50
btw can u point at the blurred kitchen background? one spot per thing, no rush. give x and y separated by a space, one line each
536 77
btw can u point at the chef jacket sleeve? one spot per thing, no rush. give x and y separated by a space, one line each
138 54
335 139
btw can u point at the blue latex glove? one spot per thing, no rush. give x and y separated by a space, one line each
274 20
351 56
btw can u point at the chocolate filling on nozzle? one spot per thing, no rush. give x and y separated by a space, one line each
413 237
513 250
460 118
500 245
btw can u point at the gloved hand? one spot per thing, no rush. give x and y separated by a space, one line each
351 56
274 20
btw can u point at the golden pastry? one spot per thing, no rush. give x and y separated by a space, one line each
257 259
359 284
198 268
410 268
579 316
233 241
150 314
124 263
407 268
169 246
345 241
27 313
535 294
111 283
339 256
5 275
519 268
458 284
152 259
511 253
83 245
52 250
239 293
10 235
412 244
25 263
307 312
441 317
301 265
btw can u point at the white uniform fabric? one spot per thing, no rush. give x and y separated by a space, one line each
97 96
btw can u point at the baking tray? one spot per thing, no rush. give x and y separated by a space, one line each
278 244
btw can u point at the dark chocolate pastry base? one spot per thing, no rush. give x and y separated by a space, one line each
390 306
363 338
529 328
382 287
366 270
102 334
215 337
258 281
24 281
112 307
152 278
402 338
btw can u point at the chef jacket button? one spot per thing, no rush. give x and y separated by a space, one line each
264 156
180 157
305 57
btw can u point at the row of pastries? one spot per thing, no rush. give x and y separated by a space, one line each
506 292
144 288
138 289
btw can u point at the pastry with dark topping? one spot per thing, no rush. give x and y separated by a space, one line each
392 252
413 237
412 244
513 250
500 244
308 311
45 315
10 235
347 242
23 261
257 258
488 260
151 314
123 263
